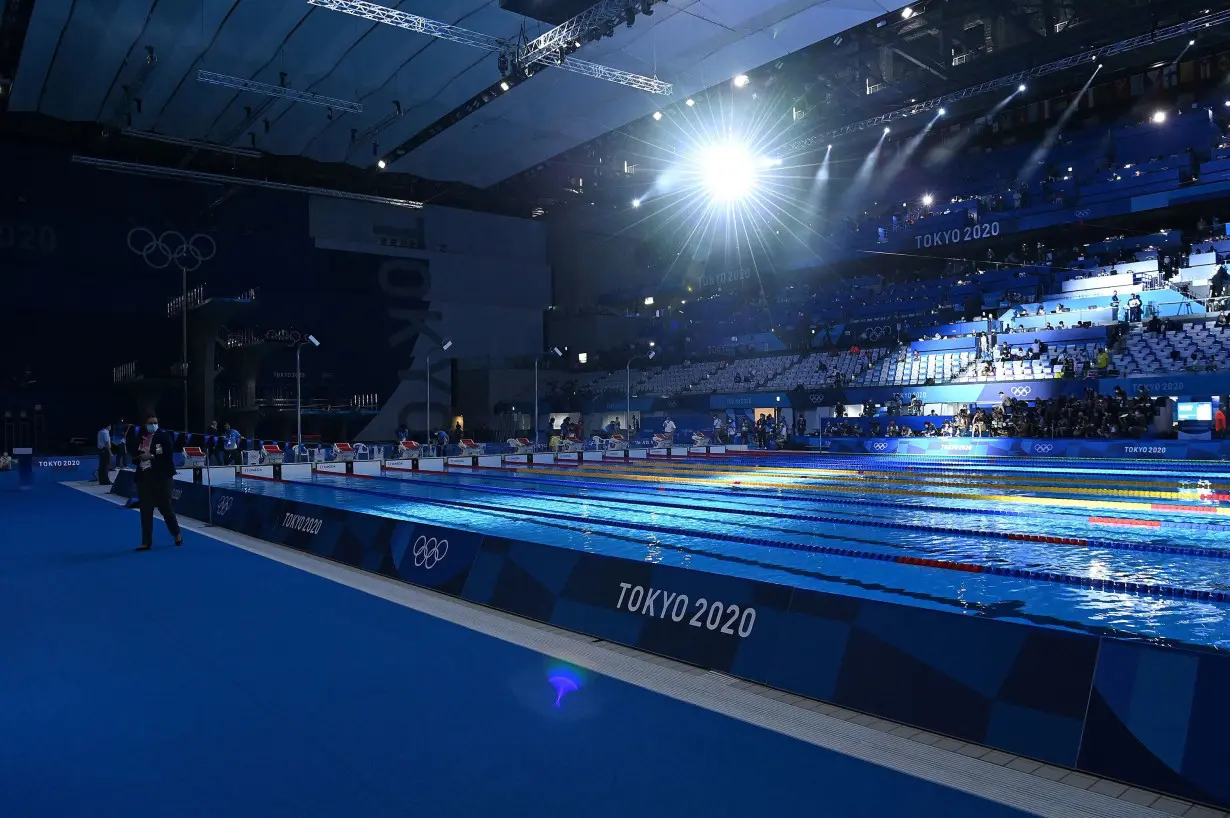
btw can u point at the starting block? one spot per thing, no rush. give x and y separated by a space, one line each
572 445
343 453
700 439
196 459
409 450
469 447
521 445
616 442
661 441
272 454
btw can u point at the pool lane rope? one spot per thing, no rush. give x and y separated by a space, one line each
940 480
1049 539
785 487
1002 498
1113 586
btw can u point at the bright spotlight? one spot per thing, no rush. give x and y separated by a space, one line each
690 102
907 13
1191 43
943 111
927 200
380 164
657 115
886 129
636 202
729 172
1021 88
503 86
741 80
1159 117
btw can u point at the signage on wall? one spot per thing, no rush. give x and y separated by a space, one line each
726 277
30 238
957 235
170 247
410 237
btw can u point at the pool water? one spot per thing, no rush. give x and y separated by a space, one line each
1019 540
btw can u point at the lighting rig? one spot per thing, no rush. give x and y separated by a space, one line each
552 49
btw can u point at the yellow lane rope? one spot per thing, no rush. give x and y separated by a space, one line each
1060 502
930 475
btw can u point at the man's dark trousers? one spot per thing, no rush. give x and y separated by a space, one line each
104 467
155 493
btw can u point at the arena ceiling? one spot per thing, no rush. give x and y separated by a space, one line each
133 64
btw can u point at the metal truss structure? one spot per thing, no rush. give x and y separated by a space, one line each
422 25
1189 28
194 144
279 91
161 172
556 44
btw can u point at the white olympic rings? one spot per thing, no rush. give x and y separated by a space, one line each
428 551
1020 391
224 505
1043 448
160 251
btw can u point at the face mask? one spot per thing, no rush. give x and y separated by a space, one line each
151 427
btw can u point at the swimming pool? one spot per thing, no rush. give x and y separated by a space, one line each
1054 545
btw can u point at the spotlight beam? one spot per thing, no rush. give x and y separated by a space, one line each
1121 47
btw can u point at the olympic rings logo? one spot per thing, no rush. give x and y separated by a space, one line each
879 446
1083 214
160 251
1043 448
1020 391
429 551
224 505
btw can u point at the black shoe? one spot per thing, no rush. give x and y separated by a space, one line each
179 540
144 547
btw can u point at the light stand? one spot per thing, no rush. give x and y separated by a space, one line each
444 347
311 339
628 387
554 351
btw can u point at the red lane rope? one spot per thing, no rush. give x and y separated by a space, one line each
1126 522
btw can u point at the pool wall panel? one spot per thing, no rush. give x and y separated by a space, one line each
1152 717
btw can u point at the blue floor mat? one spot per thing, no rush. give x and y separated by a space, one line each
207 681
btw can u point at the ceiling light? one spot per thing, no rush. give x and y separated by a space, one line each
1021 88
636 202
886 129
907 13
380 164
657 115
503 86
943 111
729 172
1159 117
690 102
741 80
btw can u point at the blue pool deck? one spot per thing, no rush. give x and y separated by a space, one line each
222 680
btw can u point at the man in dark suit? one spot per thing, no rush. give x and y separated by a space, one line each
151 452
